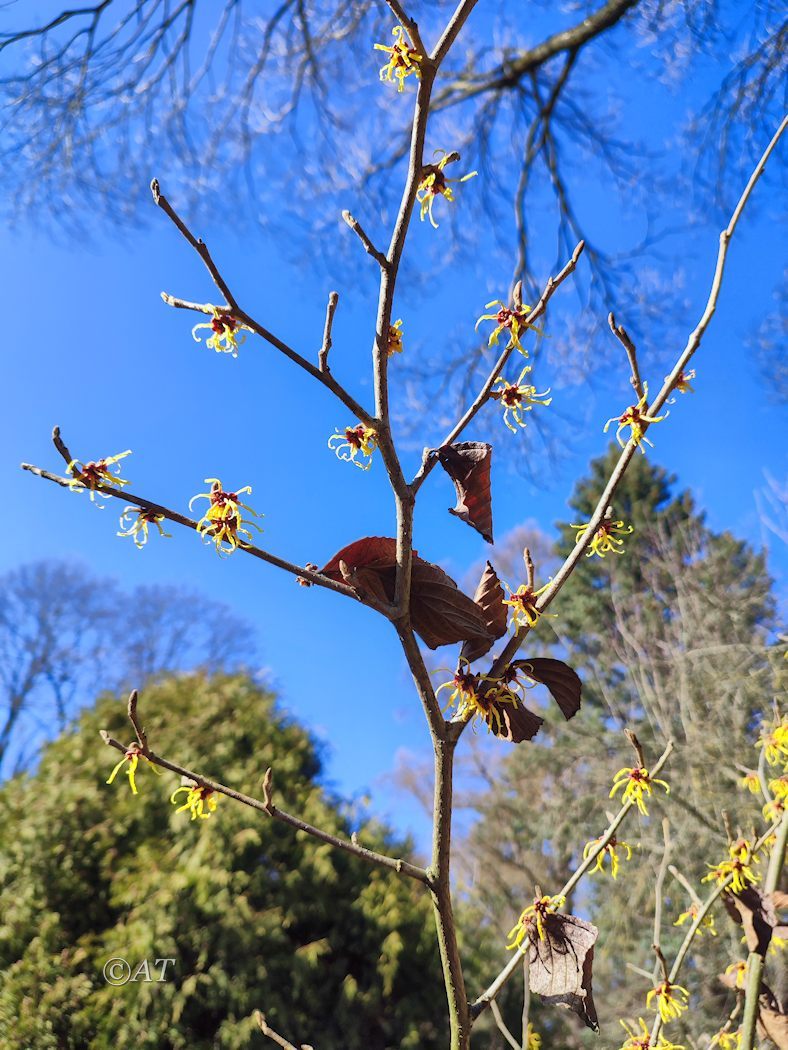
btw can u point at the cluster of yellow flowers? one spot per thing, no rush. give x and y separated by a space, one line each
636 782
479 701
533 917
223 523
226 330
641 1039
200 800
607 538
355 445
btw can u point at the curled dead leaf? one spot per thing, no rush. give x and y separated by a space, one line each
468 465
562 681
489 597
560 965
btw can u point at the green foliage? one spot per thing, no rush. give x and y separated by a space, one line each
255 915
674 639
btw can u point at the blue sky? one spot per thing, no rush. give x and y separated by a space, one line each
92 348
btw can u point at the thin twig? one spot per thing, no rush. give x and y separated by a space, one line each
498 1018
132 712
369 247
658 887
623 337
266 806
322 357
172 515
275 1037
410 27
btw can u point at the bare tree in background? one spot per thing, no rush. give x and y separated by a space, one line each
91 93
66 635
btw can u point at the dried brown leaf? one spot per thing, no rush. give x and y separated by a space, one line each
489 597
560 965
440 613
518 723
756 914
468 465
773 1025
564 684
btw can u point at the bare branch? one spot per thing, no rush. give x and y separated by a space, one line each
621 334
270 810
322 357
369 247
275 1037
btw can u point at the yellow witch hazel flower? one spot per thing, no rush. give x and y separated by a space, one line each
403 59
751 782
691 914
727 1040
132 756
739 867
523 604
773 811
607 538
641 1039
774 742
223 524
473 703
738 970
135 522
671 1000
513 320
96 472
200 801
518 398
226 330
683 381
533 916
610 849
636 782
434 183
394 345
352 442
634 418
779 787
534 1040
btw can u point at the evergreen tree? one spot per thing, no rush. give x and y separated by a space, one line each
675 639
254 914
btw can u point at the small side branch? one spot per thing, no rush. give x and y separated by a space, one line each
270 810
300 572
275 1037
232 306
197 243
369 247
428 462
322 357
621 334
